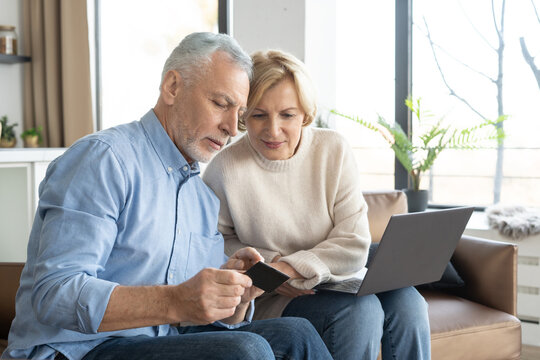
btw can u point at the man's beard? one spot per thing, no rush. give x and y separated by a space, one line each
192 148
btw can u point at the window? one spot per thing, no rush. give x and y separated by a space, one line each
462 59
365 84
456 51
135 38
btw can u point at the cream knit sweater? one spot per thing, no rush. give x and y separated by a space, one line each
309 209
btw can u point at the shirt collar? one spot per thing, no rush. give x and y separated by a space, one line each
171 158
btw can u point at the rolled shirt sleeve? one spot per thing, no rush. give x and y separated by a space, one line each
92 303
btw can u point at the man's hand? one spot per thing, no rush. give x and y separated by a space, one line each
211 295
242 260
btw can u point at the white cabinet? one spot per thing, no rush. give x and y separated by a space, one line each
21 171
528 273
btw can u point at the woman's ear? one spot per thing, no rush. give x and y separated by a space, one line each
307 120
171 86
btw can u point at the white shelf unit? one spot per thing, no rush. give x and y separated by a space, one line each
528 291
21 171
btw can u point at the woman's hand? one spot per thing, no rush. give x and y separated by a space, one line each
292 292
285 268
286 289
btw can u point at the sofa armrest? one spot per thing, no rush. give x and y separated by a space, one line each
489 269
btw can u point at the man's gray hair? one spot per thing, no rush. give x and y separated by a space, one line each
195 51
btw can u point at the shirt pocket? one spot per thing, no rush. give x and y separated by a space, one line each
204 252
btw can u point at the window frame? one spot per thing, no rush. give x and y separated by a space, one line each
403 83
403 87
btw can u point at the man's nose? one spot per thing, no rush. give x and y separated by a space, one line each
230 124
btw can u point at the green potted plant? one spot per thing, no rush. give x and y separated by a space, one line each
7 137
32 137
417 155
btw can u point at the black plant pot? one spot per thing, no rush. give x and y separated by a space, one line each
416 199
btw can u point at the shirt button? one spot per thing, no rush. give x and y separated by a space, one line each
169 169
184 168
170 276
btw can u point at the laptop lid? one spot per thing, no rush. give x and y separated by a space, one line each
415 249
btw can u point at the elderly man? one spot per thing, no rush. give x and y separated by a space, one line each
125 239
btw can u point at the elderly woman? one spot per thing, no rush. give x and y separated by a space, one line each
291 192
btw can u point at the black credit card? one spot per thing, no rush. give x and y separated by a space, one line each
266 277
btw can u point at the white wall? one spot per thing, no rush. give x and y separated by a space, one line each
276 24
11 75
305 28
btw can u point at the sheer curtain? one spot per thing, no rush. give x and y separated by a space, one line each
57 86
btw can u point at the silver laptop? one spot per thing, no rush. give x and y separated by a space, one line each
414 249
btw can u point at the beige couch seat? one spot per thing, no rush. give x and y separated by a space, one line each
463 329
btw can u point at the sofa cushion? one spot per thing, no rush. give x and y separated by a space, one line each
381 206
450 279
462 329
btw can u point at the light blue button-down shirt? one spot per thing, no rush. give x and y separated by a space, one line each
121 206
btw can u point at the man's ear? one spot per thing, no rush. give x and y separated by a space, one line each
171 86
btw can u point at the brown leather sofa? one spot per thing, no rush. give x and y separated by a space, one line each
478 321
474 322
10 274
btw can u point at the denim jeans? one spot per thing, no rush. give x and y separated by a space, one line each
355 327
284 338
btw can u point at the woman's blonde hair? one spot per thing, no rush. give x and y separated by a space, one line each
269 68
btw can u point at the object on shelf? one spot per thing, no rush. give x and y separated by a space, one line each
31 141
8 40
7 135
32 137
8 143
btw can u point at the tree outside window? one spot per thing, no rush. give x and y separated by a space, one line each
468 65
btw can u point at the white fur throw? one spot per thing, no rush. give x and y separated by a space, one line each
516 222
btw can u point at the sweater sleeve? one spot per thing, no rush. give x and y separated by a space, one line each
344 251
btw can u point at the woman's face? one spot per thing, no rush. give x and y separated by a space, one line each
275 125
